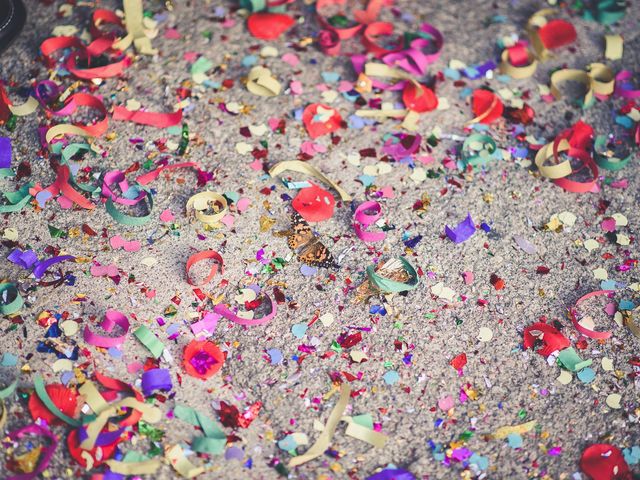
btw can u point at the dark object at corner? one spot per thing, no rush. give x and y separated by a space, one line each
13 16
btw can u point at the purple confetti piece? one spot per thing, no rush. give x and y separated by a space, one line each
5 152
156 379
308 271
464 231
392 474
524 244
25 259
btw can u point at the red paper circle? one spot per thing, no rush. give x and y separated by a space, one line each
196 347
269 26
314 203
557 33
419 102
64 398
602 461
318 128
483 101
99 453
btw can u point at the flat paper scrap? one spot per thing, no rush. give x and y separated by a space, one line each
504 432
613 47
464 231
149 340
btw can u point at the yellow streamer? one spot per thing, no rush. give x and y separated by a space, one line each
365 434
302 167
136 34
599 79
134 468
92 397
560 170
149 414
175 456
201 202
324 440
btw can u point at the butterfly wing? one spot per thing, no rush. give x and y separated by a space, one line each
300 233
317 254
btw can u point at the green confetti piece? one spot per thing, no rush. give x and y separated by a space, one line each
571 360
149 340
199 419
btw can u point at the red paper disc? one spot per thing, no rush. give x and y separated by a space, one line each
64 398
557 33
269 26
99 454
417 101
602 461
320 120
314 203
202 359
487 105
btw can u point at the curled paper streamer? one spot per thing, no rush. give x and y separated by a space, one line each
573 315
604 159
156 379
16 201
224 311
261 82
367 214
560 171
153 119
148 177
6 106
546 35
462 232
504 432
508 67
302 167
149 413
111 319
10 299
550 337
41 267
623 86
324 440
149 340
127 219
478 149
598 80
386 285
136 34
176 458
201 202
486 105
45 456
413 59
199 257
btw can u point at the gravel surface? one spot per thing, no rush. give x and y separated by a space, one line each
501 384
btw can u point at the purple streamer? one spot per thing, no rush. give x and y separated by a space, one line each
156 379
392 474
5 152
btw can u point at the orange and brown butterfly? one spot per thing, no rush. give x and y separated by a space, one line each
309 249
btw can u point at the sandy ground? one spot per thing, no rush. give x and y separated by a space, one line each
509 386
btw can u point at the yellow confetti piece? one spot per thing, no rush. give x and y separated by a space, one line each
613 401
261 82
614 45
134 468
504 432
565 377
485 334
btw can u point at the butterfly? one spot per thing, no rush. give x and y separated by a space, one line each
308 247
